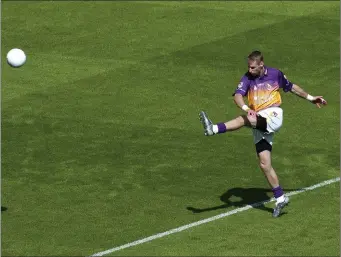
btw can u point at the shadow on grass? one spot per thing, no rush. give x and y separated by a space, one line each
248 196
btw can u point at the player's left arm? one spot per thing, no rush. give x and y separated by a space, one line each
288 86
318 100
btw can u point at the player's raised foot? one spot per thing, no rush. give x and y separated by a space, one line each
279 207
208 125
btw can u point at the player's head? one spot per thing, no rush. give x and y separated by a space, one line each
255 63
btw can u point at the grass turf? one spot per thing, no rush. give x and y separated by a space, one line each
101 143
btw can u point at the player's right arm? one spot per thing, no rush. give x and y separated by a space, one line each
239 101
240 92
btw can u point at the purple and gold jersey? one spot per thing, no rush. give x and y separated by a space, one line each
263 92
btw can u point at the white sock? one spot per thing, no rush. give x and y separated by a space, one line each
215 129
280 199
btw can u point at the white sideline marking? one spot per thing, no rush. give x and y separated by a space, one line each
176 230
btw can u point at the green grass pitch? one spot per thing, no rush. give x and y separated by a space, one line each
101 141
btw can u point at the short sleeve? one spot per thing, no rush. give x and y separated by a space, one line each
243 86
284 83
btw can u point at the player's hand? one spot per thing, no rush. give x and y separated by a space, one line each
251 113
318 100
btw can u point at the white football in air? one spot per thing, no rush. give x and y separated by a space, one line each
16 57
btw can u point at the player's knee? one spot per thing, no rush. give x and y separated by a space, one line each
249 120
265 165
265 161
252 119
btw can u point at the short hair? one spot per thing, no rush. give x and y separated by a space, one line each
256 56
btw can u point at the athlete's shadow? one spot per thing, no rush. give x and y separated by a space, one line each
247 196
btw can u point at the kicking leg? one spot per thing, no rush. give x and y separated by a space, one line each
249 120
264 154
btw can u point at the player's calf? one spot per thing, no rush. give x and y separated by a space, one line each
264 154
